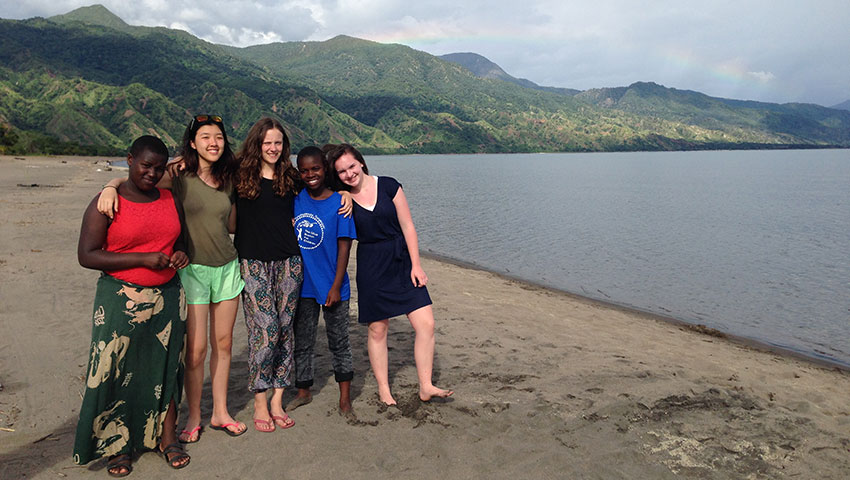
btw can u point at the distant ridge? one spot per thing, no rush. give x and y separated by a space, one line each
845 105
801 120
482 67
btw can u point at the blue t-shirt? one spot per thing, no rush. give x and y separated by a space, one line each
317 228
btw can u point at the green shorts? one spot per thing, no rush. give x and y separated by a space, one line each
205 284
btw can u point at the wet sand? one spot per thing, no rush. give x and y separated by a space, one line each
548 385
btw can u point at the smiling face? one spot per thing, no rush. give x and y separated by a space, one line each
312 171
146 169
272 147
209 143
349 170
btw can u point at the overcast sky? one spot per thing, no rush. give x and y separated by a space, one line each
769 50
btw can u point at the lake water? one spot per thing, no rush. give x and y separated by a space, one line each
752 243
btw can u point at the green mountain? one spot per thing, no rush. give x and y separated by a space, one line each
91 88
430 105
95 15
87 82
482 67
792 123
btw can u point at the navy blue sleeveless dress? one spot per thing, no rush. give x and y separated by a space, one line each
384 288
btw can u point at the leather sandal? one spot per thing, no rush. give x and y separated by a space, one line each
175 449
119 465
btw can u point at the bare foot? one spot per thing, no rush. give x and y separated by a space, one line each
387 398
345 396
299 400
434 392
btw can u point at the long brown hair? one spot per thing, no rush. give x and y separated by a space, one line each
251 159
222 170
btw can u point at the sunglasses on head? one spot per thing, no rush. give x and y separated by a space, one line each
203 119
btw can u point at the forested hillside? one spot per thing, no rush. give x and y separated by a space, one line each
86 82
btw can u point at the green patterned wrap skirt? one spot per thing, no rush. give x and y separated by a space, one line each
135 367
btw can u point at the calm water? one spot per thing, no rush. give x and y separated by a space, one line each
753 243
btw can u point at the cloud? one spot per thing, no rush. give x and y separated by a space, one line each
763 77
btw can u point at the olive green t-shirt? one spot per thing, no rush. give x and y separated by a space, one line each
207 212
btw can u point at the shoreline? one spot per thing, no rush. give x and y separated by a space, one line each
547 384
753 343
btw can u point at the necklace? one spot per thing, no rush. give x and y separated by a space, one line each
207 178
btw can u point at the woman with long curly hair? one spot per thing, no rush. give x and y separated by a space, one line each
271 265
270 262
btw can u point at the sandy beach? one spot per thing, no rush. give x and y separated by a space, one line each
547 385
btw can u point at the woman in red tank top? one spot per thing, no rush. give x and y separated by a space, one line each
135 373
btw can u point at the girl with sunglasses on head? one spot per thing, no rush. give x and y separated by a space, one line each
212 281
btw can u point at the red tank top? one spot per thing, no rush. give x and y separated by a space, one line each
144 227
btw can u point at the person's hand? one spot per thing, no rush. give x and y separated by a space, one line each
107 203
178 260
333 297
347 205
156 260
418 277
176 166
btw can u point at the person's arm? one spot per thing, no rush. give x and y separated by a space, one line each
343 250
346 204
417 275
91 254
179 259
231 220
175 166
107 201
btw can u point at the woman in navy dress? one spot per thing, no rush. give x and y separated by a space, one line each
390 279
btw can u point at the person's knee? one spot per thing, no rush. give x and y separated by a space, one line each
195 357
424 329
223 346
378 330
422 322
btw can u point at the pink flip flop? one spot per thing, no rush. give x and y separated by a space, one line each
283 421
267 425
228 431
191 433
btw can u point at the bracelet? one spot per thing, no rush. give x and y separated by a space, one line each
110 186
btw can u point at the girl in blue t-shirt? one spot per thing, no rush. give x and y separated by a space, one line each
324 236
